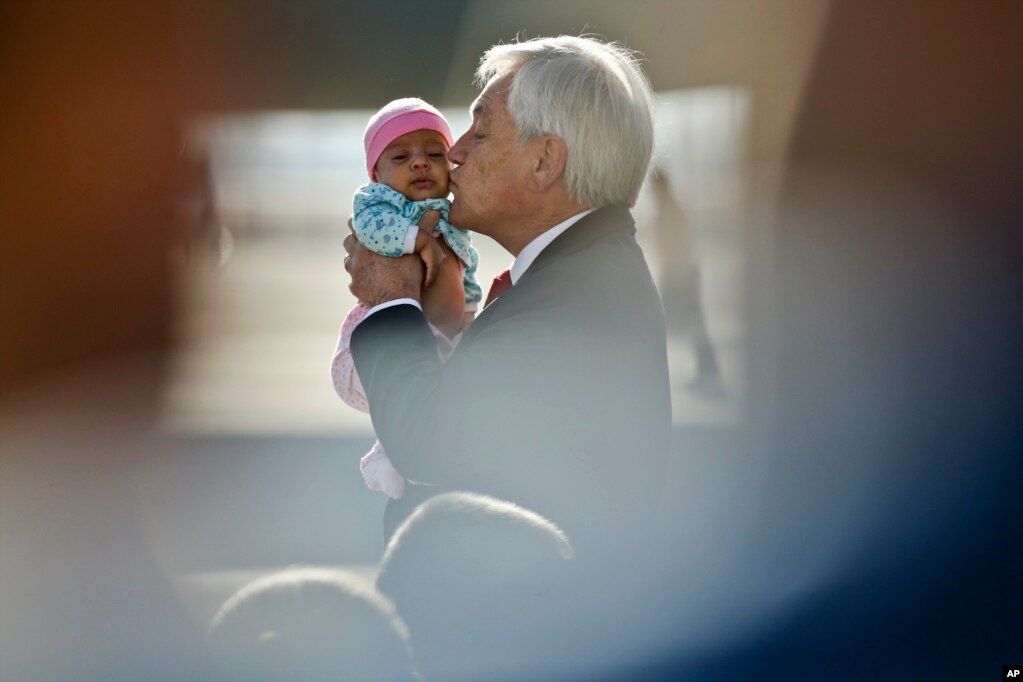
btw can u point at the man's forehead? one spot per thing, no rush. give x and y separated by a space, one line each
494 94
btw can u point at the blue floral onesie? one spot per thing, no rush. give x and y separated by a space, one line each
382 220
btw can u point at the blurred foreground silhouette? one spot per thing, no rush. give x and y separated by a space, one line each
884 461
91 175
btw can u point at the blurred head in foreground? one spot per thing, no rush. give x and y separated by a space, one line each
479 581
310 624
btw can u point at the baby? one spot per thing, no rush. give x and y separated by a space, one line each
406 157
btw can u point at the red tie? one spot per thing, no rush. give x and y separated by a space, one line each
500 285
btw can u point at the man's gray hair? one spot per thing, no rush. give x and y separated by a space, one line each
591 94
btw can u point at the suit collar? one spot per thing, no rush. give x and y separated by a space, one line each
590 229
536 247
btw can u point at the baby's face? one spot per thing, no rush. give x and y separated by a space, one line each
416 164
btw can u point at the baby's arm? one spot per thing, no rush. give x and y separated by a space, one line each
427 247
378 221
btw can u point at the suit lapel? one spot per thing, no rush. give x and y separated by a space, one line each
599 225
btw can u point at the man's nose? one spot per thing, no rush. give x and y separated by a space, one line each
456 154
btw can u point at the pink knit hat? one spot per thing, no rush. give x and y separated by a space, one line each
397 118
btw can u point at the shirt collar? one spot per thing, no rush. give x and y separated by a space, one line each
528 254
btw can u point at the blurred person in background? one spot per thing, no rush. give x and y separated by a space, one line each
680 285
203 235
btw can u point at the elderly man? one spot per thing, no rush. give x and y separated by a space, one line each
557 395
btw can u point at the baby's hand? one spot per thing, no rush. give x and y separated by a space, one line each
431 253
427 247
429 221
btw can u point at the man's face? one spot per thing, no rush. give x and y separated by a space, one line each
492 171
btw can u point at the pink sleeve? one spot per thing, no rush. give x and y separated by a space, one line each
342 367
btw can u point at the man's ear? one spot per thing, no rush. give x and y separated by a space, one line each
550 157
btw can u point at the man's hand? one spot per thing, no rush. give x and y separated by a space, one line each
378 279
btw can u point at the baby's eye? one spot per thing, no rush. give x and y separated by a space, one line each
437 155
399 157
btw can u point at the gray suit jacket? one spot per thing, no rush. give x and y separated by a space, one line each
556 398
